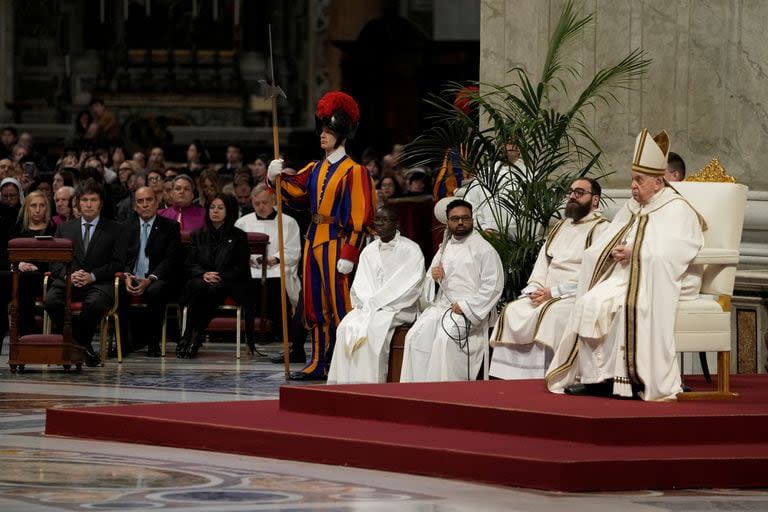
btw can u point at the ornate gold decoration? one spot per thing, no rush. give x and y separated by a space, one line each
713 172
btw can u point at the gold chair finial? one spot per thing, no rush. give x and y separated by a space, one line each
713 172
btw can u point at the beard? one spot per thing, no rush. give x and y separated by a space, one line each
576 211
461 231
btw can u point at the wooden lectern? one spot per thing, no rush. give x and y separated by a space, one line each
42 348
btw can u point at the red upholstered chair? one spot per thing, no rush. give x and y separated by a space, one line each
257 244
42 348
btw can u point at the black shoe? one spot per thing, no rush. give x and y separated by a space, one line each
306 376
292 358
182 347
91 358
604 389
153 351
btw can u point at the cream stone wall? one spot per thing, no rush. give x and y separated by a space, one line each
707 84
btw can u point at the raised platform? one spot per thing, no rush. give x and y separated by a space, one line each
508 433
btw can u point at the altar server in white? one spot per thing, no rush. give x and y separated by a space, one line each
529 328
619 340
384 295
461 288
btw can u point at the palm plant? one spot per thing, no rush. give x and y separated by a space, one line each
555 146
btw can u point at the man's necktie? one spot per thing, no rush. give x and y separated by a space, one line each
87 235
141 261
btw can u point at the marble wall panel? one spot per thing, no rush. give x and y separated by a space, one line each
706 85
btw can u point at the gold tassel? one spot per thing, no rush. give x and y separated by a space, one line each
622 387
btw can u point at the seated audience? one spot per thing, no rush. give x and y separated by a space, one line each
98 255
34 220
153 258
217 267
462 287
189 216
384 294
61 200
389 189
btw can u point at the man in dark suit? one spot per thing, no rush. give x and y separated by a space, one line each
98 255
153 258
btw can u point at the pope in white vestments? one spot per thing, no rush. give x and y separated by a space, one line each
529 328
462 287
619 340
384 295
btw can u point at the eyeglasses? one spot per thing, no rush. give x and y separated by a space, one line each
10 195
154 179
460 218
578 192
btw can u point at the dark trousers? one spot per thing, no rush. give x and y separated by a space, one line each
96 303
202 300
143 325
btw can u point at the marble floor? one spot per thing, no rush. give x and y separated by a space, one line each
39 473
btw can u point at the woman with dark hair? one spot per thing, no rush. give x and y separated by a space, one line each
259 168
217 267
388 189
197 157
83 121
63 178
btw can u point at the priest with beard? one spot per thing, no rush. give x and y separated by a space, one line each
384 295
529 328
461 289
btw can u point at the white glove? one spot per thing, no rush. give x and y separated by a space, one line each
344 266
274 170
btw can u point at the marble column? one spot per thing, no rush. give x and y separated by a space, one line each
705 85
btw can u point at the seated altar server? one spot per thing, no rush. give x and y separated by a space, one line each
462 287
619 340
528 329
384 295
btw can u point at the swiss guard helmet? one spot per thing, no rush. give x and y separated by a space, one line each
339 112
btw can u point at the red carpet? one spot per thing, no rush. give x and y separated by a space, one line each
509 433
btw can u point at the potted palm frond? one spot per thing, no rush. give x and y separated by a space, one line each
556 145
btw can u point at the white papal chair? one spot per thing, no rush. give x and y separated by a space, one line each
704 324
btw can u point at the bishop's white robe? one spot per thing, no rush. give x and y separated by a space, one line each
250 223
525 335
622 324
474 278
384 295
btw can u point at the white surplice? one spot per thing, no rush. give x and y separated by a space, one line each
474 278
384 295
623 320
292 252
525 335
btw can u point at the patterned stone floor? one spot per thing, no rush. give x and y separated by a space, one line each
39 473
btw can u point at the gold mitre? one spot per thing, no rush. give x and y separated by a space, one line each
650 155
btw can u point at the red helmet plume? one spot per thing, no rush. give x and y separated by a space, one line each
339 112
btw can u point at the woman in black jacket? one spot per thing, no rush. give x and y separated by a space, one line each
217 266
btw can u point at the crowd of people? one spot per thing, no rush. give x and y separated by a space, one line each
177 233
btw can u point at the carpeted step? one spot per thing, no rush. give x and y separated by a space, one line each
264 429
523 407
